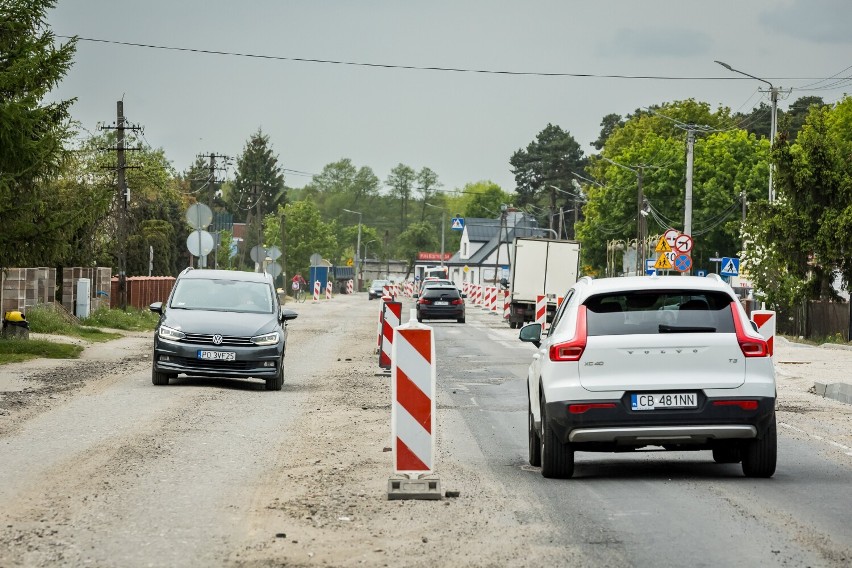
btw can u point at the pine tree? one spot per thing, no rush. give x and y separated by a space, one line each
32 135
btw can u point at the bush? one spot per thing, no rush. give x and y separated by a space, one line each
131 320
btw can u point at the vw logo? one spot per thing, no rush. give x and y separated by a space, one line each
217 339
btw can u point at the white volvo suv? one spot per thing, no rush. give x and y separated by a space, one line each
670 361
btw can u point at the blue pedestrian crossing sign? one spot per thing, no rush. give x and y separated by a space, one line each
457 223
730 266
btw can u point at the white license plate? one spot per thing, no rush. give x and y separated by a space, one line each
217 355
442 303
653 401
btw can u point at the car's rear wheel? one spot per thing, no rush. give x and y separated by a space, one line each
276 382
557 459
159 379
727 454
534 440
760 455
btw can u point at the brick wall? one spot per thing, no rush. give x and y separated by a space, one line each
25 287
99 278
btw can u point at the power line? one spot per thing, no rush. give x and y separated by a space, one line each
426 68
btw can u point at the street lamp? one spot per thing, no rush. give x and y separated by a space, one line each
442 228
357 245
773 91
364 258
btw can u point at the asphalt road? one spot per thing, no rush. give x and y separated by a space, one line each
98 467
651 508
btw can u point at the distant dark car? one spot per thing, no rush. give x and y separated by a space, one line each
376 289
440 302
221 323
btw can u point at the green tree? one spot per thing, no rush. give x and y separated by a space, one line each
419 236
727 163
401 181
36 223
544 169
608 125
258 179
305 233
427 184
797 246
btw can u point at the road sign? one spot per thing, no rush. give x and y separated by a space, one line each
457 224
257 253
349 262
199 243
670 236
683 244
274 253
701 273
662 245
663 263
199 216
649 267
683 262
730 266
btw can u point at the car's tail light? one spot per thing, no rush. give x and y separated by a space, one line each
458 302
581 408
424 301
744 404
573 349
750 345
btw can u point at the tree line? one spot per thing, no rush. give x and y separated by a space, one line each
59 205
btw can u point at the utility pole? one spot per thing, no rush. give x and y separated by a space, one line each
211 196
640 221
122 198
259 199
687 201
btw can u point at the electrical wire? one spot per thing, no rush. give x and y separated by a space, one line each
426 68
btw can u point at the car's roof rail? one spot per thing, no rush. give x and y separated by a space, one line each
586 279
185 270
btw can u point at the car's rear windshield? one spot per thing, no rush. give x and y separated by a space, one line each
441 292
222 295
659 311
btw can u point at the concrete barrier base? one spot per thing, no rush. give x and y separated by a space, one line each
427 489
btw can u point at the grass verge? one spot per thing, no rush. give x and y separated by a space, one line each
15 350
45 318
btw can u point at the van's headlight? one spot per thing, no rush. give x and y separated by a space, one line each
266 339
169 333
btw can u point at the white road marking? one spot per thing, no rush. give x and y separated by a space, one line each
473 400
846 449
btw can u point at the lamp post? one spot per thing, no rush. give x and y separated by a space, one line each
442 228
364 258
357 245
773 92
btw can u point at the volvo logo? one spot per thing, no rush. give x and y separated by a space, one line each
217 339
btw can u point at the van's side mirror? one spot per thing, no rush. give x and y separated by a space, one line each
157 307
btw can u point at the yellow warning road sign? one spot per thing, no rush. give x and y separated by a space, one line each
663 262
663 246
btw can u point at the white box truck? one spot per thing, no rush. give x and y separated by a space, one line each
540 267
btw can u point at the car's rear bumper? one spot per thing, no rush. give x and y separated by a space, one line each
441 312
621 426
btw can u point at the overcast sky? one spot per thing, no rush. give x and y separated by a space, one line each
465 126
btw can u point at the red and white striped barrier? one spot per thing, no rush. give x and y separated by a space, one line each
466 288
350 286
381 321
328 288
507 305
765 320
391 317
316 290
496 304
389 290
409 289
413 396
541 310
478 294
486 297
